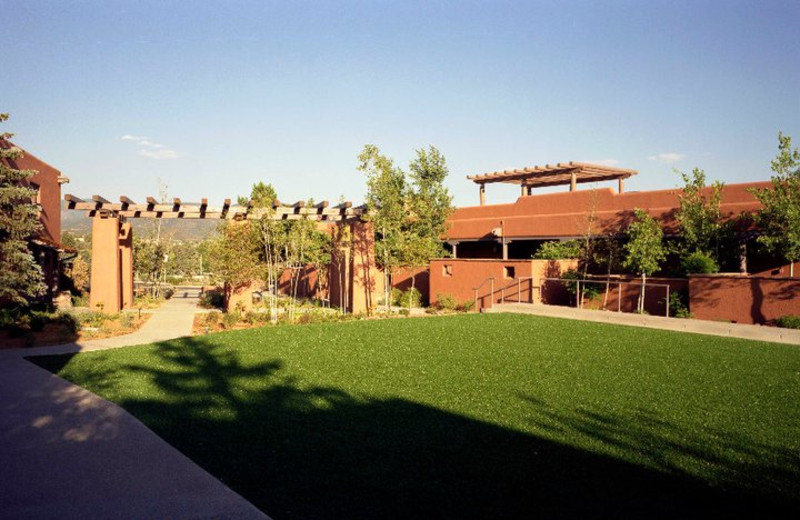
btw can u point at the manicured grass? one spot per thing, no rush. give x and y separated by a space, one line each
477 416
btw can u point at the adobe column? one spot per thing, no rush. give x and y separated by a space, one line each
366 280
106 279
126 264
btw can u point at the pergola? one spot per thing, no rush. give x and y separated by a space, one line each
112 241
154 209
559 174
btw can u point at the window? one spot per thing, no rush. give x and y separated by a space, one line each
509 271
447 270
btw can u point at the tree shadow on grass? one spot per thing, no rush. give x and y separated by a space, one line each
309 452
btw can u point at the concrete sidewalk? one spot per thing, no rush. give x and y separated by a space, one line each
713 328
66 453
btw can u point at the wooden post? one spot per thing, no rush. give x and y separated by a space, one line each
455 249
573 181
523 189
482 191
621 186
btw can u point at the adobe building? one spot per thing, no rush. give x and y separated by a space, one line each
46 246
488 242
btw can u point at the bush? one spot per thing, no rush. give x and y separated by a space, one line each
699 262
168 292
678 307
788 322
400 298
126 320
68 321
230 319
556 250
212 318
80 300
590 290
446 302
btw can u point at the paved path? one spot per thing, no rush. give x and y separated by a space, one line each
714 328
66 453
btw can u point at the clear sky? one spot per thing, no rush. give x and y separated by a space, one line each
210 97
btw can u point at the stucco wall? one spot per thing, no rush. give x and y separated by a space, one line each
743 299
628 288
401 279
460 277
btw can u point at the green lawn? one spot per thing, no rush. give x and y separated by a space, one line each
472 416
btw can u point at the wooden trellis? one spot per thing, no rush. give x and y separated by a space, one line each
154 209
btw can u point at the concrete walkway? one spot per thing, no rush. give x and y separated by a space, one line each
66 453
713 328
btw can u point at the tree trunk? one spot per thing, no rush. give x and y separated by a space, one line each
411 291
642 296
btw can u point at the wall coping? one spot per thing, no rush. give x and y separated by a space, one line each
743 276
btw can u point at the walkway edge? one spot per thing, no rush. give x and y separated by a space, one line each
711 328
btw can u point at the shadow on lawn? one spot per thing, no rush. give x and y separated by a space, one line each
313 452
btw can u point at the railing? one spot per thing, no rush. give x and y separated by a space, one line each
619 284
580 286
491 292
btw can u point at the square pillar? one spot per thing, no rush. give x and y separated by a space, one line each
366 280
621 186
482 192
573 181
126 264
105 293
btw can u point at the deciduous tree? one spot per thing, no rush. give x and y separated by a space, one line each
779 220
644 249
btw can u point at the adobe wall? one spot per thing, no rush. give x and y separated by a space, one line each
625 297
460 277
743 299
401 279
49 193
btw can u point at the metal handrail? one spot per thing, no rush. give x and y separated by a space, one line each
578 299
491 278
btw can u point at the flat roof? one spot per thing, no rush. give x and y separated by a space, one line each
554 174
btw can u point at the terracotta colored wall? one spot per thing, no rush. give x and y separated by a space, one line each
309 283
467 274
743 299
126 265
401 279
655 296
49 194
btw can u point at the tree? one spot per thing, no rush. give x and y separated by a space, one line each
233 256
779 219
386 205
271 237
21 278
644 248
699 216
430 206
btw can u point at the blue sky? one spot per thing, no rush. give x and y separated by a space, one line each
210 97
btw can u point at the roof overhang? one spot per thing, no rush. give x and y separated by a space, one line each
554 175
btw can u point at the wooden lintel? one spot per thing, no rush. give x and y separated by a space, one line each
100 200
126 201
152 201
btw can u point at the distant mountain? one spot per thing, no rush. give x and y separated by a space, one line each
179 229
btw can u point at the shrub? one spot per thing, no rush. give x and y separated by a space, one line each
400 298
590 290
168 292
212 318
699 262
788 322
404 312
126 320
230 319
68 321
556 250
446 302
466 306
80 300
678 307
38 320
